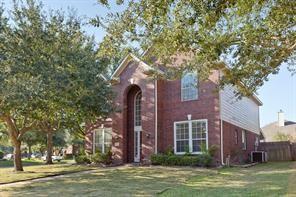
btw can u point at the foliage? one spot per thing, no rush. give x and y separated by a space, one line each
50 76
188 159
211 151
82 159
96 158
1 154
169 151
284 137
32 138
104 158
248 40
202 160
4 137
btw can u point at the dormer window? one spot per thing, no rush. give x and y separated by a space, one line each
189 87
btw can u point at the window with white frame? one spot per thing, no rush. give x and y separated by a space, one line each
102 139
236 136
244 140
189 84
138 109
190 136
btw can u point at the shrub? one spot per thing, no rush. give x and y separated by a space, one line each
1 154
212 150
95 158
169 151
181 160
82 159
205 160
158 159
105 158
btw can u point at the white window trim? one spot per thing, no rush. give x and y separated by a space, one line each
135 101
193 99
94 139
190 136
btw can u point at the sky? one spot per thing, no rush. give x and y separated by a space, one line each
276 94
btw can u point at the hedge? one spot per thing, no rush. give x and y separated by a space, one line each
203 160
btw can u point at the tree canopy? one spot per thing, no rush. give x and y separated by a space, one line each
49 72
249 40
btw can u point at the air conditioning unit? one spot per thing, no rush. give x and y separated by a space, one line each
258 156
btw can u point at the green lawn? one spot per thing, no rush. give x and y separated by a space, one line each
26 162
35 169
272 179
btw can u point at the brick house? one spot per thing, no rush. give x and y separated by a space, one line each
155 115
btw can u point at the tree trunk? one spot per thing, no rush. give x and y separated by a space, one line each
30 151
17 156
49 147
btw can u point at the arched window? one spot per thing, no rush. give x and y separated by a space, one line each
189 90
138 109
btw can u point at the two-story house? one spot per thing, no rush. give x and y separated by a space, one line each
185 114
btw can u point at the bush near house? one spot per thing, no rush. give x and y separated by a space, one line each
169 159
97 158
203 160
82 159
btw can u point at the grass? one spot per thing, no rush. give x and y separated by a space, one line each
272 179
26 162
35 169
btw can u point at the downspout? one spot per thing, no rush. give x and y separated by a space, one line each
93 140
155 97
221 125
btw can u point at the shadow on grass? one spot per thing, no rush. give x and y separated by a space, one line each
9 163
26 162
110 182
261 180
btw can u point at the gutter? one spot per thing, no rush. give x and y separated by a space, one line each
221 126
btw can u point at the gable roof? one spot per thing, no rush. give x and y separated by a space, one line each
131 57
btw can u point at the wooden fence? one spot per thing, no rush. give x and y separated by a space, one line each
279 151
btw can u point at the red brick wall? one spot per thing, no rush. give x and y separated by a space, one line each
120 126
236 152
172 109
89 133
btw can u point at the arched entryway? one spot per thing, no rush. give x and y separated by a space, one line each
134 124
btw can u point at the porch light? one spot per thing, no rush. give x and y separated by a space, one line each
189 116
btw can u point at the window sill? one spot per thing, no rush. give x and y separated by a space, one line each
192 153
189 100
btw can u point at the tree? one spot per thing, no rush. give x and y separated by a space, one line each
32 138
248 40
49 72
284 137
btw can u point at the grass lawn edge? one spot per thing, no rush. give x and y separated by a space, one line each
46 176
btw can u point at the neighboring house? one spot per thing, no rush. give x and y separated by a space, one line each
281 130
156 115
